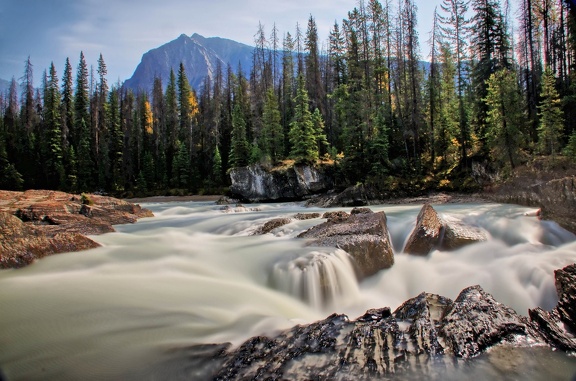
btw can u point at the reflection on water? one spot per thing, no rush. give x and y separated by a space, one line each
194 275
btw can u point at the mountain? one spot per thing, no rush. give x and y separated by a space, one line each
200 56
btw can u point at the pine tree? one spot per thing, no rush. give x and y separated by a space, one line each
85 165
302 134
52 139
240 150
273 134
217 167
551 117
81 105
505 120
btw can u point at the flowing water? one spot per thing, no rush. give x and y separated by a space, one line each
194 274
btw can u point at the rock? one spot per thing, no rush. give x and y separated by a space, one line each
476 322
426 234
306 216
381 343
271 225
559 325
257 184
362 235
23 243
556 198
442 233
56 222
239 208
336 216
356 195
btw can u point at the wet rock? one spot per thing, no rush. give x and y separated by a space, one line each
56 222
255 183
362 235
443 233
559 325
426 234
271 225
306 216
239 208
476 322
380 343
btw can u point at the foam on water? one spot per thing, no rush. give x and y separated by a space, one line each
194 274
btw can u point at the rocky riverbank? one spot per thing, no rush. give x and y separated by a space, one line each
38 223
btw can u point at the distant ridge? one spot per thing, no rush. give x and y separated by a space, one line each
200 56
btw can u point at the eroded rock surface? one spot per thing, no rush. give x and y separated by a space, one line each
363 235
443 233
256 183
424 330
38 223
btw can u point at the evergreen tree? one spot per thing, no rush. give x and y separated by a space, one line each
302 134
81 105
217 167
116 144
551 118
505 119
52 139
85 169
240 150
273 134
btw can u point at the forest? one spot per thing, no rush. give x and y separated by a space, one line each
485 92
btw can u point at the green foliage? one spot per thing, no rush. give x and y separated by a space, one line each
551 116
303 136
273 133
217 167
505 121
240 150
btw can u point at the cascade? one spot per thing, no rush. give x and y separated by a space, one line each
317 278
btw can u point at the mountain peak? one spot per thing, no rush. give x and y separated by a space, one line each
199 55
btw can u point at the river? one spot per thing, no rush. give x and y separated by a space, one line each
194 274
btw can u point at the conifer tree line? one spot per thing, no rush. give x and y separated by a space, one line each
497 90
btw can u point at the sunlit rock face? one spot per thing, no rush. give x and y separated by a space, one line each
441 232
363 234
257 184
37 223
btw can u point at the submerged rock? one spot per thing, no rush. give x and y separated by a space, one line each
363 235
37 223
443 233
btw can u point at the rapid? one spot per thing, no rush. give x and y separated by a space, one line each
194 274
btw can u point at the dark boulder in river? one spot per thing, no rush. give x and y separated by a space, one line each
37 223
363 234
443 233
258 184
423 332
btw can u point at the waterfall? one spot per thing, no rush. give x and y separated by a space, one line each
317 278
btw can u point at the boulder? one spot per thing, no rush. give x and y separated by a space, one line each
381 342
271 225
255 183
442 233
558 326
363 235
53 222
23 243
426 234
306 216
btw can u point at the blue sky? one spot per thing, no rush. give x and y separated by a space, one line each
123 30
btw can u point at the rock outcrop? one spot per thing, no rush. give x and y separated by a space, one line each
363 235
258 184
442 233
556 198
381 342
38 223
